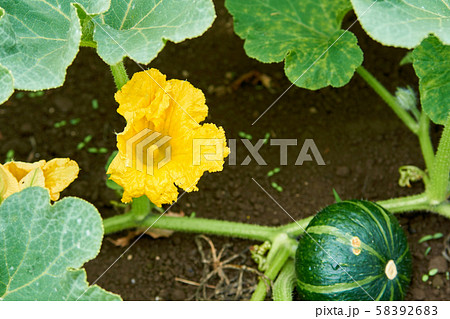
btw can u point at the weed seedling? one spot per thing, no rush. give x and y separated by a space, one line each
82 144
94 103
95 150
245 135
430 237
9 156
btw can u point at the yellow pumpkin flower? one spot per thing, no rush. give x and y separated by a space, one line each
55 175
163 145
8 184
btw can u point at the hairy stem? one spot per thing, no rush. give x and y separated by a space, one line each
88 44
285 283
389 99
443 209
406 204
120 74
190 225
439 171
425 140
144 219
296 228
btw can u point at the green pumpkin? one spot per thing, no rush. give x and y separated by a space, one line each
353 250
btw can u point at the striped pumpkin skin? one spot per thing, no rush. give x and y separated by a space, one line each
357 241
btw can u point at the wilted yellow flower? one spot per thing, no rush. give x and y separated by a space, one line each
54 175
162 144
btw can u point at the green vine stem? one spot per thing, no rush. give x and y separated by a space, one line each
141 218
404 204
190 225
274 267
120 74
285 282
292 229
88 44
389 99
416 203
425 140
439 171
444 210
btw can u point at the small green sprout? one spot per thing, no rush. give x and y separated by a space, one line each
86 140
447 275
192 215
266 138
35 94
437 235
427 251
75 121
276 186
64 122
425 278
20 95
273 172
430 237
60 124
94 104
95 150
245 135
9 156
433 272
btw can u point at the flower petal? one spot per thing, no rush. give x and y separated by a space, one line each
59 173
144 95
159 188
8 183
21 169
204 149
186 110
33 178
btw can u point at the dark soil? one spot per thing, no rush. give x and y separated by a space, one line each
361 140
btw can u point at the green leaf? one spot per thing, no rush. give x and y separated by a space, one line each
306 34
139 29
43 246
432 66
407 59
404 23
6 84
39 40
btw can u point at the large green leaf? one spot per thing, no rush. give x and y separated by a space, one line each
43 246
139 28
6 84
431 61
39 40
404 23
305 33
